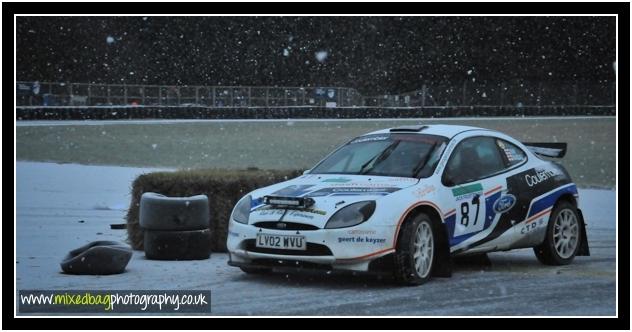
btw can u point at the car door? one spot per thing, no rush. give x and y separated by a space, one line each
474 182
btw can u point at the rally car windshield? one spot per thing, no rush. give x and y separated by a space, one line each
403 155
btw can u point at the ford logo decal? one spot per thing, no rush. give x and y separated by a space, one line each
504 203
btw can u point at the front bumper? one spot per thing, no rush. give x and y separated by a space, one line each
350 248
252 255
300 267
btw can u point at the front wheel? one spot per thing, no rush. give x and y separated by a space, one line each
563 236
416 252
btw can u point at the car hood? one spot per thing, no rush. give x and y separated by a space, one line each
330 193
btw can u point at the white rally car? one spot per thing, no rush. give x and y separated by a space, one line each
408 199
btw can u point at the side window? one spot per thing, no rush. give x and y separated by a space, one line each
474 158
512 154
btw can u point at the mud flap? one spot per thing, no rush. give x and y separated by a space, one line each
583 244
443 269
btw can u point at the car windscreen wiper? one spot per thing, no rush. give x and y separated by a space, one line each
378 158
424 161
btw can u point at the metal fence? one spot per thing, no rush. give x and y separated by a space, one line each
436 94
511 93
85 94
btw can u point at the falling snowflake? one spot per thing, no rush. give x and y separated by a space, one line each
321 56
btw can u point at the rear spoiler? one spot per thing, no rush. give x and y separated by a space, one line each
554 150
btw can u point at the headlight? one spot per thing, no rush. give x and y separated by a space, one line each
241 213
352 215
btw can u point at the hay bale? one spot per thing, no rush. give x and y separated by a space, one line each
223 188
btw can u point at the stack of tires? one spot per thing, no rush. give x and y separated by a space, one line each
176 228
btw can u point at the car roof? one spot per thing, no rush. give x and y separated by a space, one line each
448 131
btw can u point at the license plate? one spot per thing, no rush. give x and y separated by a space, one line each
281 241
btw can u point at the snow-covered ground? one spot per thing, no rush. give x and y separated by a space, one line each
61 207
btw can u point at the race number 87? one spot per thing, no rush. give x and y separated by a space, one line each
465 211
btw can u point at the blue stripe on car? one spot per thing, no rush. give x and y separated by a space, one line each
550 199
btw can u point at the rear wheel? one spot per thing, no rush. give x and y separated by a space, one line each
563 235
416 252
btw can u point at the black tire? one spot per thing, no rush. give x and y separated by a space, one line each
97 258
546 252
159 212
255 270
177 245
405 272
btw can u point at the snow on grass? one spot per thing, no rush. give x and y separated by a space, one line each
275 145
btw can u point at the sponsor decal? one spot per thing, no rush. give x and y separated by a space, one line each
353 191
360 231
425 190
362 185
346 239
463 190
304 213
337 180
541 175
267 211
299 214
361 239
373 240
363 190
504 203
369 139
512 155
399 179
510 152
316 211
529 227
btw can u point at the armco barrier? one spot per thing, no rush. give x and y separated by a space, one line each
114 113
